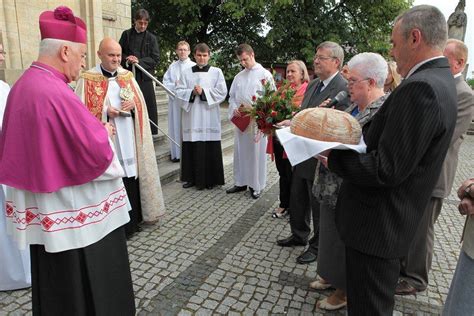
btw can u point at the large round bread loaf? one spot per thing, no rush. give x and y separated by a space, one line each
328 125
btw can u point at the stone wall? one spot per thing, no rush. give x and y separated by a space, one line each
19 30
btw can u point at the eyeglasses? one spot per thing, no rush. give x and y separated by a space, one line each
323 57
353 81
182 50
2 52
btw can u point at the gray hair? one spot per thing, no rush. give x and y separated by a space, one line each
50 46
429 20
336 51
370 65
460 49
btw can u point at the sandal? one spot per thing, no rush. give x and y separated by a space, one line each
283 213
324 304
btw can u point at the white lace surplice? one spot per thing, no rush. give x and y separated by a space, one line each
72 217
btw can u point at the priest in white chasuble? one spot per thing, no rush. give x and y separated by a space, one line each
200 92
112 94
171 79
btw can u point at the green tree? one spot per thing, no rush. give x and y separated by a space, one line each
470 82
295 27
358 25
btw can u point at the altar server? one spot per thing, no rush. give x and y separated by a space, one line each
200 91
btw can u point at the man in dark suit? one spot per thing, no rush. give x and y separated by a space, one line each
140 46
327 64
385 191
417 264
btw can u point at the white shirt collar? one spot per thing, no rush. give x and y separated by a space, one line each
328 80
459 74
138 31
415 68
256 66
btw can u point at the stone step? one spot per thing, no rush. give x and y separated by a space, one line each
160 92
470 131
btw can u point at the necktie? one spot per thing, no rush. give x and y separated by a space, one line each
320 87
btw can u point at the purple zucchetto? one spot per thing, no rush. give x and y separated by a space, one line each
63 25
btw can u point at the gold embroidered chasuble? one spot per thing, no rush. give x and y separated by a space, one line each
92 89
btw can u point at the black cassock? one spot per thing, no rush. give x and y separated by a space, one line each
145 47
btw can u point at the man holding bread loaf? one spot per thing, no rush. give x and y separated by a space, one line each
328 62
385 190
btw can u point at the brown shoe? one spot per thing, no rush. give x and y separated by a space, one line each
405 288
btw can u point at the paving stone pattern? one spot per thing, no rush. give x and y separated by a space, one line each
215 253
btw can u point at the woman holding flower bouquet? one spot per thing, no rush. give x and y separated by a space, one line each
297 80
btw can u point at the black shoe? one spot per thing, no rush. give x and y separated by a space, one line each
188 185
405 288
236 189
210 187
281 214
307 257
290 242
254 194
175 160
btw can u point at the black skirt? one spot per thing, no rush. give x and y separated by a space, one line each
94 280
201 163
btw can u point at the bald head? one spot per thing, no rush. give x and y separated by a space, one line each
456 53
110 54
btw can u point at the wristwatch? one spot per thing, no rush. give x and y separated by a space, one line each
468 190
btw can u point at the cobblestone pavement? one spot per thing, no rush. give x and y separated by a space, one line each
216 254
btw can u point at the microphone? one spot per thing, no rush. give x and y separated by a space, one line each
339 98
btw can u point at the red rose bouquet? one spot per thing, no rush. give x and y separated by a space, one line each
272 106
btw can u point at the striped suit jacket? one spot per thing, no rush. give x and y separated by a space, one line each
386 190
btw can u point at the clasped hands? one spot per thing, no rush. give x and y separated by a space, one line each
197 90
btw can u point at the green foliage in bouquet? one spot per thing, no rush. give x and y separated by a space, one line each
272 106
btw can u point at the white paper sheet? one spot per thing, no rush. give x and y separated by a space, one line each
299 148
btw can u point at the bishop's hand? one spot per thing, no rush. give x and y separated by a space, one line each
110 129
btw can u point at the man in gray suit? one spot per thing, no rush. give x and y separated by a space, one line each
328 62
415 266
